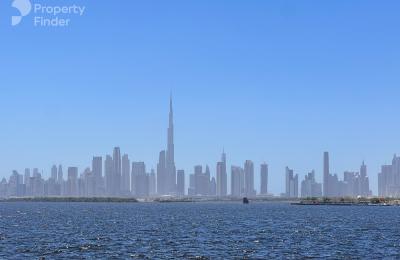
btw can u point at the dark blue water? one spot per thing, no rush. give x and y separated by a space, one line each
196 230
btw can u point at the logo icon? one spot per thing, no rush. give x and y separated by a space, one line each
24 7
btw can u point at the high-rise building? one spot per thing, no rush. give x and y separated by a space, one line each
87 184
27 176
309 187
15 185
72 182
117 171
327 177
125 177
181 182
60 177
4 188
237 181
36 184
54 172
364 181
249 178
109 175
141 182
264 179
152 183
395 185
52 185
198 180
292 184
222 178
384 180
36 173
201 182
97 170
192 187
161 175
213 187
389 179
206 181
170 154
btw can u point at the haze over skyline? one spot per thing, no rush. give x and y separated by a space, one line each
270 82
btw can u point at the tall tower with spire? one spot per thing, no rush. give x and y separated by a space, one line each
222 178
327 188
170 154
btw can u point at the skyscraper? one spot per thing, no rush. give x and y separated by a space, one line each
206 181
152 183
198 180
249 178
72 182
141 182
97 170
170 155
264 179
309 187
237 184
125 177
27 177
14 184
388 179
36 173
180 182
117 171
292 184
54 173
326 188
87 184
192 186
364 181
395 189
213 187
109 176
222 177
161 175
384 180
60 174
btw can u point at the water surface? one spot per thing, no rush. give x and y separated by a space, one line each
196 230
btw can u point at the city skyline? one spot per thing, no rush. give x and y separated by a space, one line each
122 177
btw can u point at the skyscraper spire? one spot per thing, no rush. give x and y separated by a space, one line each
170 155
171 116
221 188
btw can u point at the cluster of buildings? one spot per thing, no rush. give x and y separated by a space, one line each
116 176
241 182
389 179
353 184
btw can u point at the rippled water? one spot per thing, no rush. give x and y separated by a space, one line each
196 230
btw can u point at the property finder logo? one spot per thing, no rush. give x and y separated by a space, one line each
24 7
46 15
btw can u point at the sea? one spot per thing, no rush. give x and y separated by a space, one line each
201 230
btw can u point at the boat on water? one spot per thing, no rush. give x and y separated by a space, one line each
245 200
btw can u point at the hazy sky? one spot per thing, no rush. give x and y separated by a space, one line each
273 81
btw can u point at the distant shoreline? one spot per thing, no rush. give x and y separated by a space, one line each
346 201
139 200
292 201
71 199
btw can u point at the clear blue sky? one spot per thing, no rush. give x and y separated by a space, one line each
273 81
